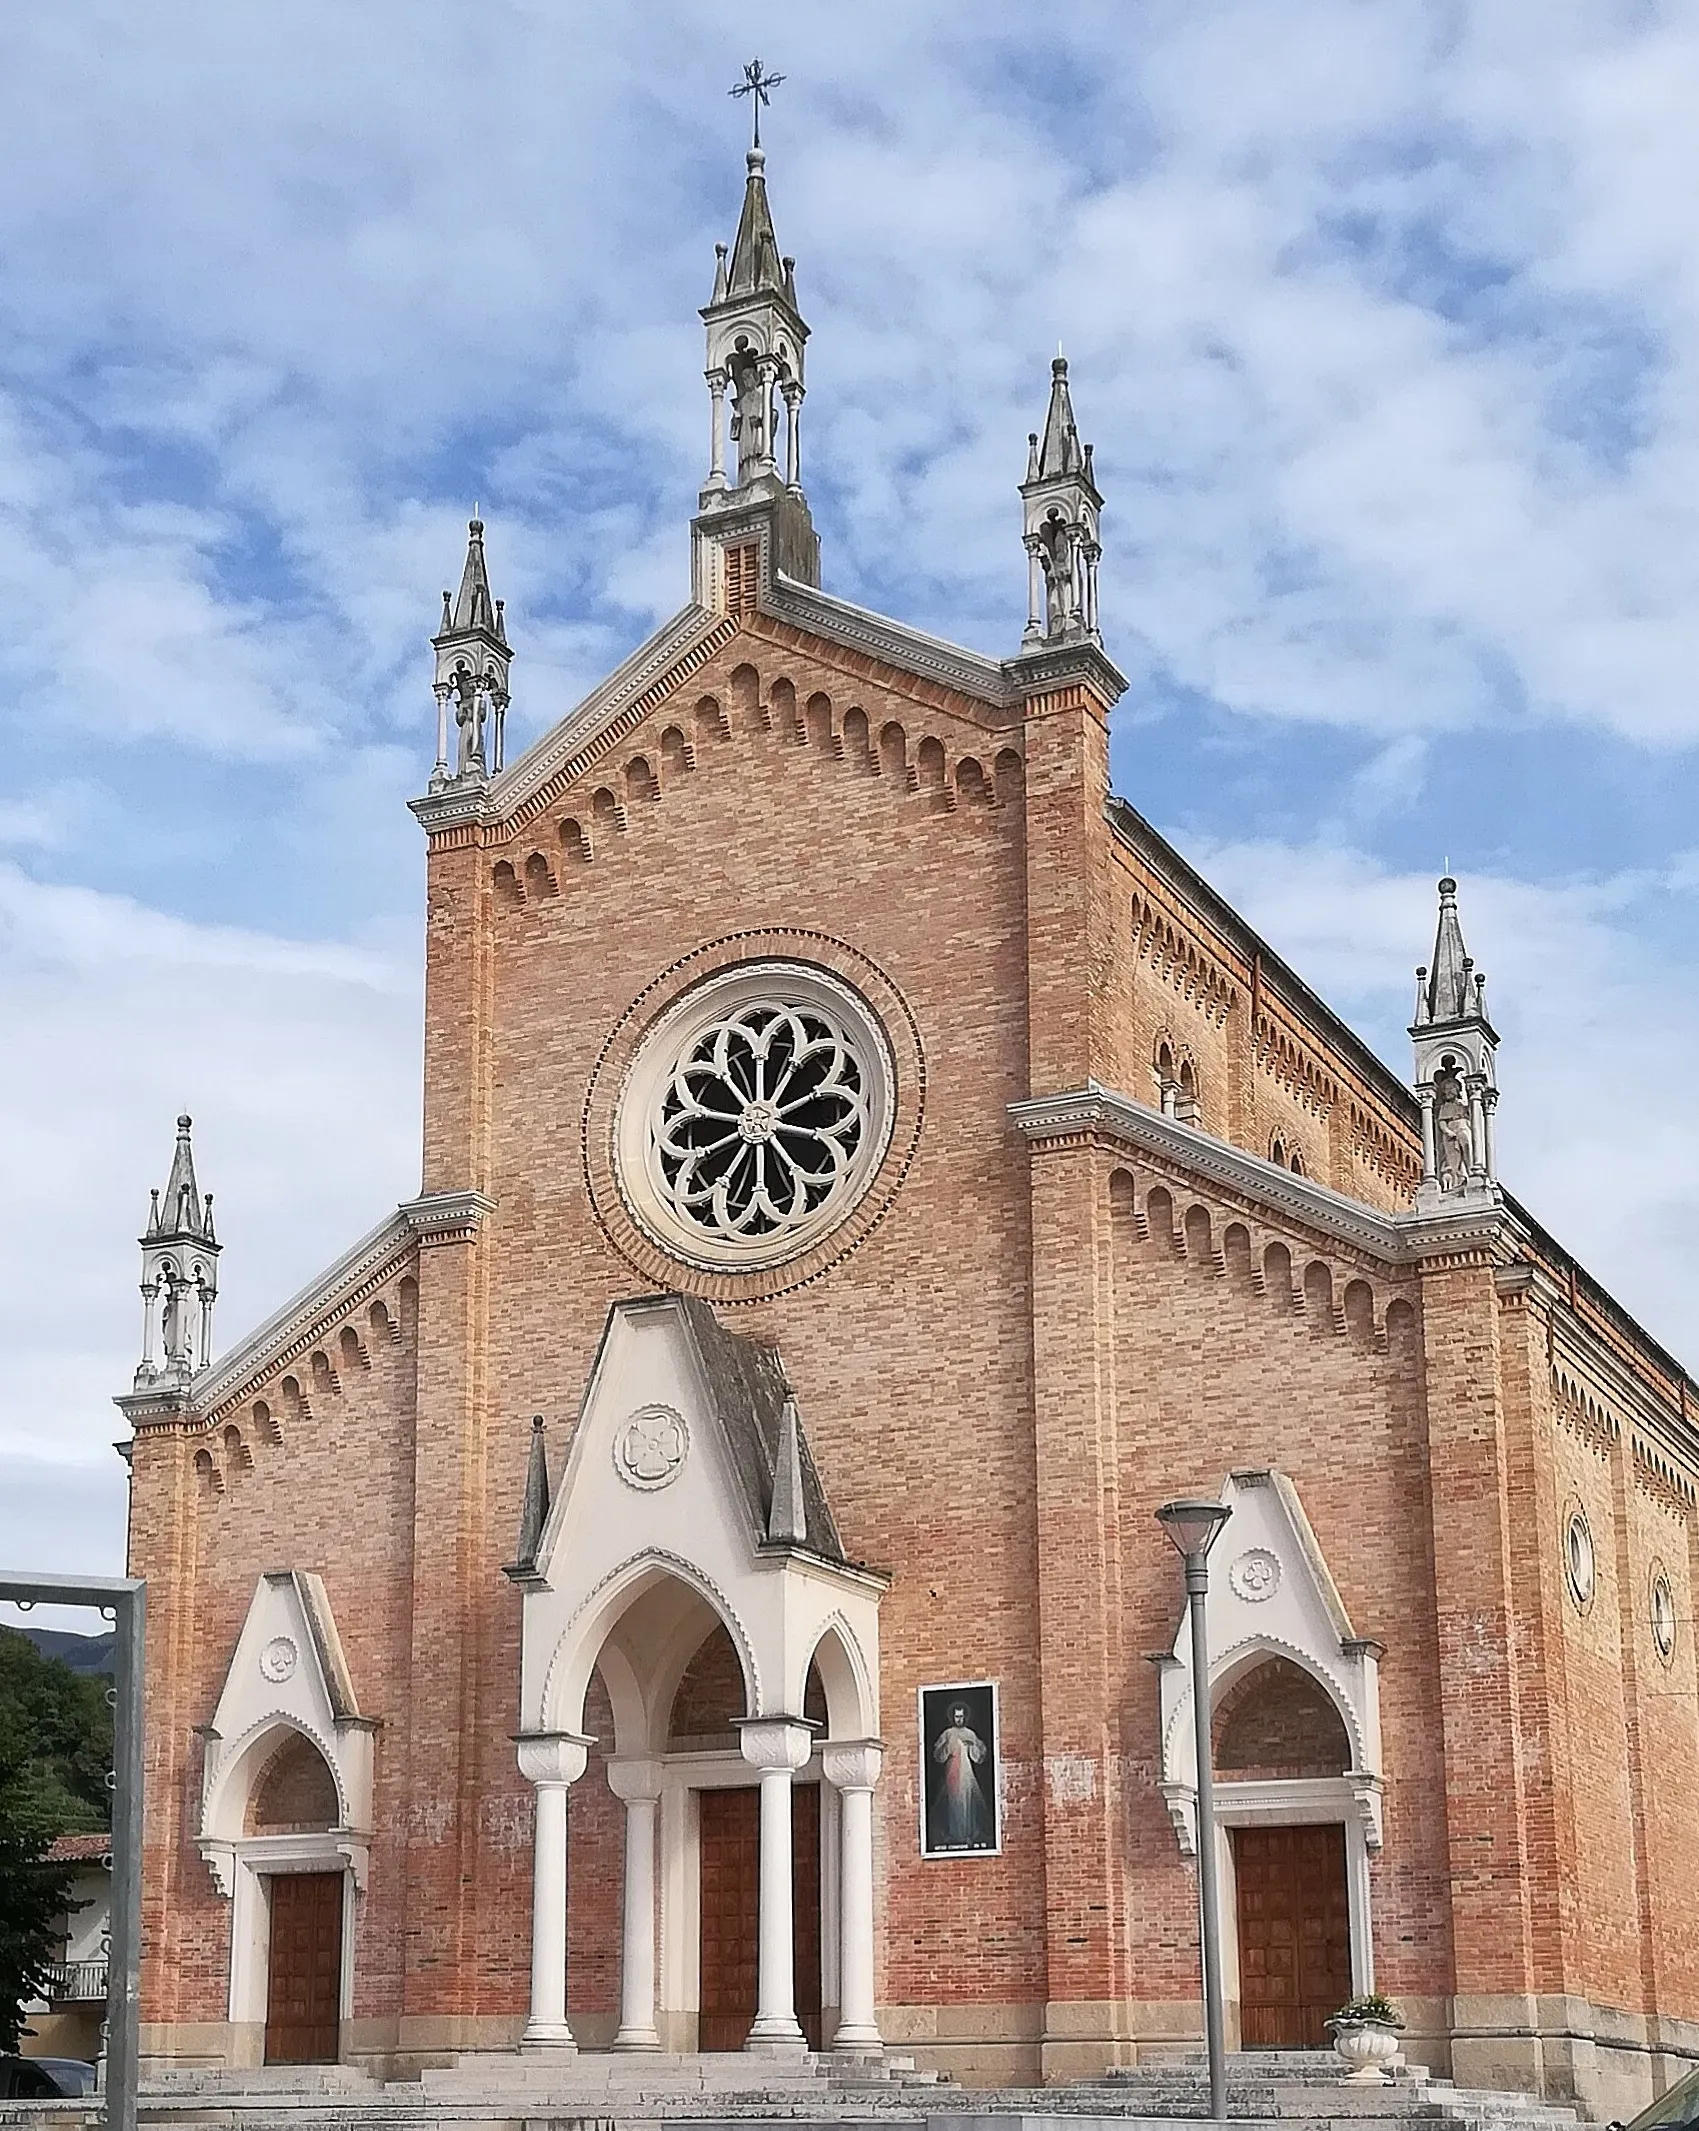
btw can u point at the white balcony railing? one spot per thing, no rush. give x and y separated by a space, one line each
75 1982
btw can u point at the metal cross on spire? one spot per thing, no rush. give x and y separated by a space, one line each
755 85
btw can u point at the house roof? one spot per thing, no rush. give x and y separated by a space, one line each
81 1849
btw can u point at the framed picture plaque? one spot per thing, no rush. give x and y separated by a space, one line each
961 1791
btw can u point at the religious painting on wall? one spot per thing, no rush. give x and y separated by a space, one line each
960 1794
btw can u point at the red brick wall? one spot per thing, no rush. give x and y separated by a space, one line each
1221 1364
1278 1723
296 1792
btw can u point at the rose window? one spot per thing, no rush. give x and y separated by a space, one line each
758 1110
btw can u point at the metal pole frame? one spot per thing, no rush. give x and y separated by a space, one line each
123 1600
1197 1587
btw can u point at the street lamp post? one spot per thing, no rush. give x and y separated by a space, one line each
1192 1529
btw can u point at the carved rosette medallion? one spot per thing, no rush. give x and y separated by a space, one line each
1255 1575
650 1449
278 1660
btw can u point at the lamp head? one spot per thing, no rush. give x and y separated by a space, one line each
1192 1526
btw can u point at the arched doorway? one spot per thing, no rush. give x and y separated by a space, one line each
295 1796
720 1811
1281 1754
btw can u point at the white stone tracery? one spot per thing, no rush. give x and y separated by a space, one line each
757 1111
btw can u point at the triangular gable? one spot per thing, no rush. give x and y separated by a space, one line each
288 1672
740 1392
689 1491
1271 1594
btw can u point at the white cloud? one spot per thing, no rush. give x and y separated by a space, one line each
299 1064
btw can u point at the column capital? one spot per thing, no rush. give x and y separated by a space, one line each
635 1782
776 1742
552 1757
852 1764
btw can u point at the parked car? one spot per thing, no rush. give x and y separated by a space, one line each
44 2078
74 2076
1677 2109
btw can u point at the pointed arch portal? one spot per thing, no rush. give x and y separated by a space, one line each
690 1560
1295 1708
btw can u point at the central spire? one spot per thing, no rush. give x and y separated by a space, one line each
756 338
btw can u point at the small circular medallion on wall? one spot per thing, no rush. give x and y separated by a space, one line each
278 1659
1255 1575
1579 1566
650 1450
1663 1613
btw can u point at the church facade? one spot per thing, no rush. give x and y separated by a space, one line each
689 1580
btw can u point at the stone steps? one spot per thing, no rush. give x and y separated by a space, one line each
551 2091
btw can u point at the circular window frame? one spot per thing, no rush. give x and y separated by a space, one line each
1581 1583
1658 1586
656 1268
662 1048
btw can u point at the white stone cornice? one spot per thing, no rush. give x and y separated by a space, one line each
1095 1109
1476 1224
692 629
464 799
292 1329
932 658
446 1216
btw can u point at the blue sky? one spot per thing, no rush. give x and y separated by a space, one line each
1384 320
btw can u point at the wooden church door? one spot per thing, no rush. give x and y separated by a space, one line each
1294 1934
304 1985
730 1851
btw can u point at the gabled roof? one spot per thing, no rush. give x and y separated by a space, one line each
747 1384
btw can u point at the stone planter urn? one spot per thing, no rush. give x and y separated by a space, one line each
1368 2047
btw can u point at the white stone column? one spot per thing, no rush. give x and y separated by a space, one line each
777 1747
793 435
852 1768
1034 591
638 1783
1476 1084
1430 1157
553 1761
717 428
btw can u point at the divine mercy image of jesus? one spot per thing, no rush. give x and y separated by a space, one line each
959 1788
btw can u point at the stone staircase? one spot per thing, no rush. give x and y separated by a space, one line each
546 2091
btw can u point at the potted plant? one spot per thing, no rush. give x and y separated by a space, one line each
1365 2033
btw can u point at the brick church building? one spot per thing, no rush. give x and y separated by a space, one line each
889 1172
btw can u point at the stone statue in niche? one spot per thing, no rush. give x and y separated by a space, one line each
749 419
469 717
1454 1137
1056 556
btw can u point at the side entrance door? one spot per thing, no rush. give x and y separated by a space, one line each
304 1981
730 1849
1294 1934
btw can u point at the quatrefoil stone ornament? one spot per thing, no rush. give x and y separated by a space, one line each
278 1659
1255 1575
650 1450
